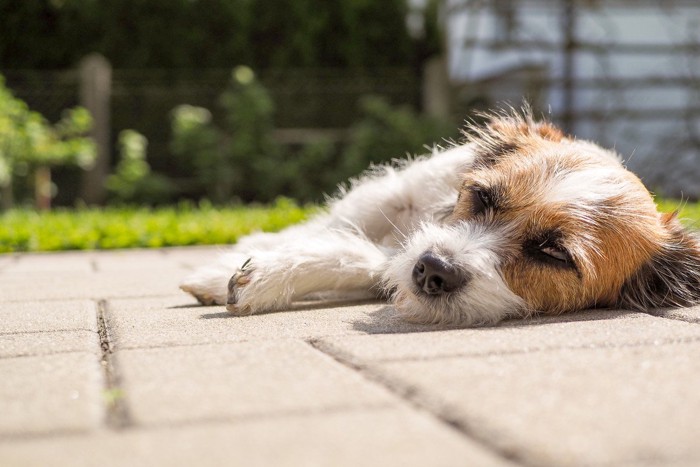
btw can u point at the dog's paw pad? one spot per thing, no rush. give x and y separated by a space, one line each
205 300
202 297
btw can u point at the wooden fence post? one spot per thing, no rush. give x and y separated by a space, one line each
95 93
436 93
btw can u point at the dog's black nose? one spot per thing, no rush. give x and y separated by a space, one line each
435 276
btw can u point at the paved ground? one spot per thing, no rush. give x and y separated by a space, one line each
103 361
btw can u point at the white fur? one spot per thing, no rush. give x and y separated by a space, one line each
367 243
475 249
586 186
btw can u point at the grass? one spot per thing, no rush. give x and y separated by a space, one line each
109 228
688 211
186 224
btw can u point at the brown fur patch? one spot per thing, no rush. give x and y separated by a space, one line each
670 277
609 234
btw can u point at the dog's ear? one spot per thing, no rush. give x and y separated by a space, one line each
526 127
504 135
671 277
549 132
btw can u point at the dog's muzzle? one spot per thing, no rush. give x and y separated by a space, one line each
435 276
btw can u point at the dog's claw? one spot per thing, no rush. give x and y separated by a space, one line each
238 280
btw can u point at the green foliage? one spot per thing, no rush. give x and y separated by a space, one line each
337 33
252 156
185 224
196 144
383 133
239 157
205 33
688 212
312 171
132 180
387 133
27 140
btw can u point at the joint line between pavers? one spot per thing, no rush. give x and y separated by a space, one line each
118 416
414 400
554 348
82 297
50 331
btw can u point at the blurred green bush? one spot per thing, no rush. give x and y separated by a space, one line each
239 158
132 180
129 227
387 133
29 145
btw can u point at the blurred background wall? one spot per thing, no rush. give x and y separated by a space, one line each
625 73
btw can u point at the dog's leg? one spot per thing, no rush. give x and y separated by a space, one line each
338 261
208 284
337 250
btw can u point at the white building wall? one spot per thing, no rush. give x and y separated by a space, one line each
637 86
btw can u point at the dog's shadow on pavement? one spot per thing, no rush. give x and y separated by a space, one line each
387 320
297 307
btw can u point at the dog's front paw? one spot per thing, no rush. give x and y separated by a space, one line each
261 284
207 285
236 284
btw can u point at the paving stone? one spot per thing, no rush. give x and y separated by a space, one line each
7 260
21 286
51 393
606 406
131 260
605 329
204 388
691 314
194 257
47 343
224 381
386 437
65 262
36 316
177 321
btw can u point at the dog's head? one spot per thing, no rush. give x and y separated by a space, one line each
544 222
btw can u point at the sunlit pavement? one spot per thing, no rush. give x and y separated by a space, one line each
103 361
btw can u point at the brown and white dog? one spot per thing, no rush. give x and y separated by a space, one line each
519 219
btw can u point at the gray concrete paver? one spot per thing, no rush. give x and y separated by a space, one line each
21 286
177 320
195 257
690 314
599 406
7 260
199 386
605 329
63 262
35 316
127 260
387 437
50 394
47 343
227 381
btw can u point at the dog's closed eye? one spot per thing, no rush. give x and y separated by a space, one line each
556 253
482 200
547 249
